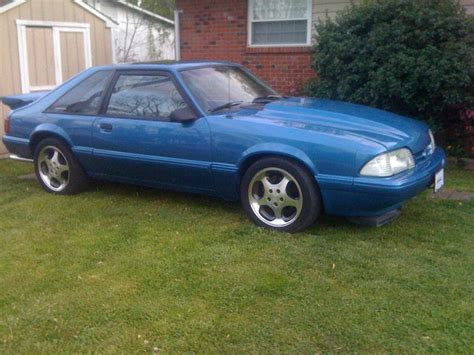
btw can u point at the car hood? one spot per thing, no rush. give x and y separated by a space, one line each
388 129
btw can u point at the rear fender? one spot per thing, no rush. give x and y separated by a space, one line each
45 130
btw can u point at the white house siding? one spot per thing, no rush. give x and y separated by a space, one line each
322 9
150 38
327 8
469 6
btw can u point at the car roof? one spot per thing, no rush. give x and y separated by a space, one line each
171 64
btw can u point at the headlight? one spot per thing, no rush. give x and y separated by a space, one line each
390 163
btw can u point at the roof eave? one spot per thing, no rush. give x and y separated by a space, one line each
145 12
108 21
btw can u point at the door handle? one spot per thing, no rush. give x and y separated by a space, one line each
105 127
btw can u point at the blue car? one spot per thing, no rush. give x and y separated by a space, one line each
214 128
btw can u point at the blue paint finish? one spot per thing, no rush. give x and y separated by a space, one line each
17 101
55 128
166 152
333 140
367 196
18 146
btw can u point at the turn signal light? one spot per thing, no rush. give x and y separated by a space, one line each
6 125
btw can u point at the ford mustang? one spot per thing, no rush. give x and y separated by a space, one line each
214 128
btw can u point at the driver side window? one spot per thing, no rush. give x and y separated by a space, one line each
145 96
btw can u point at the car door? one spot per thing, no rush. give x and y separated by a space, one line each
135 140
76 111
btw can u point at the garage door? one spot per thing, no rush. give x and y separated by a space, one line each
51 52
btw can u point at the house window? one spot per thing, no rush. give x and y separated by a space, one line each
279 22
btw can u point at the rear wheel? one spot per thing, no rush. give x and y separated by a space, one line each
280 194
57 169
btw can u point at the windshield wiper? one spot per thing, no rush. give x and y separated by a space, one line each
267 98
226 105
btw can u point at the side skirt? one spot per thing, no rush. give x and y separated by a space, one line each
153 184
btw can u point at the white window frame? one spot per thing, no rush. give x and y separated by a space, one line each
57 28
250 21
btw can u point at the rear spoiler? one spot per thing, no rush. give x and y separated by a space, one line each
17 101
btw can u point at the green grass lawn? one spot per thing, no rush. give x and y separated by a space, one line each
129 269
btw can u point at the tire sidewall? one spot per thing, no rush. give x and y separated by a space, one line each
311 196
77 177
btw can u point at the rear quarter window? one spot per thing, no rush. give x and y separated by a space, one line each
86 97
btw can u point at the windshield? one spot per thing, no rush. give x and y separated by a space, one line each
222 86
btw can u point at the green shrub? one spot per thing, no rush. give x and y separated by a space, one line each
415 58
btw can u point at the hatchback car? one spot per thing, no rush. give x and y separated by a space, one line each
216 129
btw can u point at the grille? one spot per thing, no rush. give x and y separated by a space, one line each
424 154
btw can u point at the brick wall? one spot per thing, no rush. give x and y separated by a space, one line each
217 30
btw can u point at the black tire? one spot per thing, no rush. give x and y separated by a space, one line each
311 197
77 179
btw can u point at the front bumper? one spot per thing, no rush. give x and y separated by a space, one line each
369 196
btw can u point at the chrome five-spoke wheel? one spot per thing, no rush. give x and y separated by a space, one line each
275 197
53 168
280 194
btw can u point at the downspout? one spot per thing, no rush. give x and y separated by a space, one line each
114 47
177 36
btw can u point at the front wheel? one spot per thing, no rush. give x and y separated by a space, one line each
280 194
57 169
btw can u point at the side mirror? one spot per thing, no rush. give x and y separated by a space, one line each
185 114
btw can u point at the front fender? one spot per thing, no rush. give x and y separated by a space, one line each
277 149
227 176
